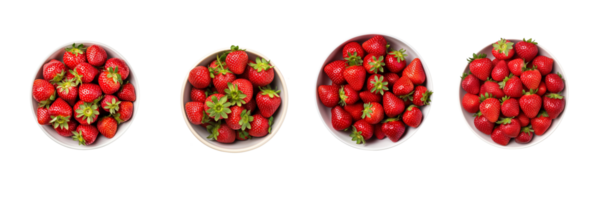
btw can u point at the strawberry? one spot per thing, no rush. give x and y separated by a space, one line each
393 128
340 119
421 97
74 55
261 73
117 63
197 95
89 92
483 124
377 84
544 64
239 118
480 66
489 107
375 45
125 112
220 61
491 87
531 77
414 71
43 116
367 97
237 60
500 138
251 105
403 86
335 71
221 78
500 71
353 48
378 132
495 61
67 131
347 95
373 112
43 92
470 103
510 107
329 95
85 134
86 113
516 66
374 63
525 136
261 126
206 120
523 119
392 105
235 95
217 106
509 126
84 73
242 135
200 77
503 49
355 110
355 76
412 116
96 55
268 101
554 83
541 89
110 81
127 92
512 86
221 133
526 49
361 131
470 83
396 60
60 113
391 77
107 126
54 71
541 123
554 104
193 111
530 103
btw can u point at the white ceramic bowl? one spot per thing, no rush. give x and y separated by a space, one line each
238 146
101 141
373 143
536 139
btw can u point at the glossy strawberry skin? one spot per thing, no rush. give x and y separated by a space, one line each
492 88
500 71
260 126
421 96
544 64
540 124
554 83
511 129
251 105
88 92
198 95
500 138
127 92
245 86
81 120
391 78
221 79
513 87
530 105
392 105
96 55
471 84
226 134
199 77
107 126
88 72
355 110
267 105
490 108
42 90
392 64
470 103
107 99
352 48
415 72
367 97
525 50
516 66
355 76
67 132
329 95
375 45
193 110
524 138
393 130
122 67
523 119
60 108
378 132
108 85
376 113
365 128
412 116
484 125
233 120
531 78
554 104
237 61
262 78
88 132
510 108
503 55
43 116
335 71
403 86
340 119
542 89
369 65
481 68
71 60
52 69
348 95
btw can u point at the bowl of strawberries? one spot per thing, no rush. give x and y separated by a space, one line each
84 95
234 100
513 93
373 92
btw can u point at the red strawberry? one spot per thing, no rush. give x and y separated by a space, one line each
119 64
127 92
74 55
239 118
125 112
107 126
480 66
84 73
554 83
89 92
237 60
367 97
470 103
483 124
377 84
96 55
391 77
541 123
355 110
373 113
531 78
355 76
500 138
489 107
347 95
329 95
221 133
60 113
239 92
396 60
516 66
220 61
495 62
67 131
268 101
412 116
340 119
43 116
251 106
491 87
200 77
503 49
554 104
110 81
512 86
221 78
393 128
375 45
378 132
43 92
353 48
193 110
500 71
523 119
526 49
414 71
525 136
544 64
86 113
54 71
242 135
85 134
542 89
335 71
470 83
530 103
197 95
261 73
361 131
509 126
261 126
217 106
510 107
206 120
421 96
403 86
392 105
374 63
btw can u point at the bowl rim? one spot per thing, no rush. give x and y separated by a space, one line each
274 129
406 137
136 103
556 123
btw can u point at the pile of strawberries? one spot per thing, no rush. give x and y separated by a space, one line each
361 108
507 94
85 95
226 94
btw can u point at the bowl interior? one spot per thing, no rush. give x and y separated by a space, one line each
323 79
101 140
513 145
238 146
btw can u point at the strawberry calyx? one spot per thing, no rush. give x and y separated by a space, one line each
205 118
77 77
78 136
505 98
218 108
476 57
46 103
527 129
530 92
261 65
244 134
58 77
113 72
377 64
425 98
525 68
112 106
367 111
76 50
213 129
411 107
60 121
485 96
503 83
117 117
408 96
269 92
543 113
245 120
236 48
357 136
65 86
236 97
464 75
560 75
554 96
530 41
209 92
353 59
391 119
478 114
343 96
270 123
220 60
379 86
88 111
504 121
400 55
503 46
